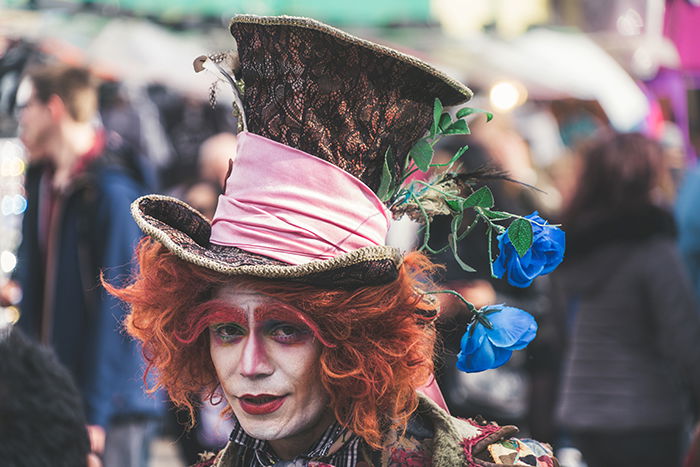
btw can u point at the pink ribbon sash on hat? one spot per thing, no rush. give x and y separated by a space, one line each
288 205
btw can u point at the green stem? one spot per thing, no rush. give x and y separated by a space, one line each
431 187
470 306
405 177
426 237
533 222
489 234
469 229
498 228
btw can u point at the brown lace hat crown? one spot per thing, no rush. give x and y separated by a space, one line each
335 96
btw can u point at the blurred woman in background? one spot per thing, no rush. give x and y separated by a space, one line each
628 310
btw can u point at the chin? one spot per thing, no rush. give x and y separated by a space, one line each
282 423
270 428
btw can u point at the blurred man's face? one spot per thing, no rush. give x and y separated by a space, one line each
36 126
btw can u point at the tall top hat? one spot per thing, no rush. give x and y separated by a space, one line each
321 109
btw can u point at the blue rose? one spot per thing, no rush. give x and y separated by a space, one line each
545 254
483 348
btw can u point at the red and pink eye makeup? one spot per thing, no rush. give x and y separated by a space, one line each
282 323
283 331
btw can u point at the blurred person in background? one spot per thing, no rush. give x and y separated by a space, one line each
628 309
42 421
213 160
210 432
214 156
203 189
688 220
77 225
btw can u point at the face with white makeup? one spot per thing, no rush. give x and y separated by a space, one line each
267 360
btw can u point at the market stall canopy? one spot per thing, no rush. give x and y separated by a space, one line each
134 51
551 64
355 12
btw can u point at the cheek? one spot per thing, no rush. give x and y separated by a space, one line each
303 366
224 358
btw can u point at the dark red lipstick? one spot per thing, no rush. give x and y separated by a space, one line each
260 404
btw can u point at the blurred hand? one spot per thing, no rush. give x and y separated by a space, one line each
97 438
10 293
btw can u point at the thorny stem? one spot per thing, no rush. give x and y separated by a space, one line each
470 306
533 222
431 187
468 230
477 315
426 238
489 234
489 221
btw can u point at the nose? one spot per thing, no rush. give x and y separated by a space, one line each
255 362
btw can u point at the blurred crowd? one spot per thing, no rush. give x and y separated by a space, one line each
614 373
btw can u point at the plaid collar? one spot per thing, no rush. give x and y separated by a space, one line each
337 446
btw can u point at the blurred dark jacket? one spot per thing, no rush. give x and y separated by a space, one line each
689 225
63 303
633 325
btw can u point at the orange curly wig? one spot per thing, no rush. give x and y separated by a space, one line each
378 342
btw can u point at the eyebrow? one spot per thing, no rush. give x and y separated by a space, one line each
218 310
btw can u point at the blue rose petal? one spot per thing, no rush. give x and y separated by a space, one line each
483 348
473 338
511 328
488 357
545 254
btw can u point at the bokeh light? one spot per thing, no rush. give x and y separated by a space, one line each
506 95
13 205
11 163
8 261
9 316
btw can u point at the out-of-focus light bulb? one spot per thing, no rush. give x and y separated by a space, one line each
11 315
11 166
13 205
8 261
20 204
505 95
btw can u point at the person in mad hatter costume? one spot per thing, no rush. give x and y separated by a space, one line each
319 335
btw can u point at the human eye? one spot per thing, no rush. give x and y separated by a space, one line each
227 332
287 333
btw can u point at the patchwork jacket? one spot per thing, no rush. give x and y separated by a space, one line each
433 438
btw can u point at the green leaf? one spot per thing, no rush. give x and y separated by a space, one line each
496 215
520 235
445 122
456 205
422 154
465 111
386 183
453 246
481 198
457 128
437 112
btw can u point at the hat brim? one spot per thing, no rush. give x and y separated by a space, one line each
185 232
